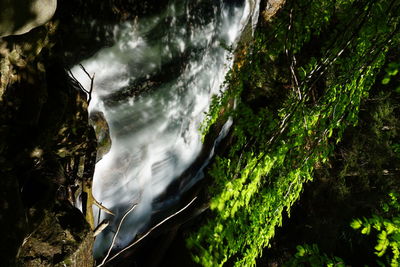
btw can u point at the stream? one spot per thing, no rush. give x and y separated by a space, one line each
153 86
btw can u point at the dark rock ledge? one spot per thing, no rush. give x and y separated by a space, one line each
47 150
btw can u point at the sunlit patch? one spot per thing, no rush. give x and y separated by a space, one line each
37 152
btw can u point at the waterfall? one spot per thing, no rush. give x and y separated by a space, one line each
153 87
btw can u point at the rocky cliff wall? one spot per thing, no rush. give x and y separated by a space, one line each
46 146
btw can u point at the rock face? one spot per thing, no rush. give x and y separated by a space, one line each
46 145
21 16
47 148
16 100
61 239
102 130
271 8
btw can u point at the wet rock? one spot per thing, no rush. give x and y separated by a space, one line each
102 130
90 23
146 85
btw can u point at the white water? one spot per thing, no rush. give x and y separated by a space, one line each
155 135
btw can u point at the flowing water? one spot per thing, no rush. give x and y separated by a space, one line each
153 86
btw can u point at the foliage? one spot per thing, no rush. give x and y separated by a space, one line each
391 70
387 229
363 168
310 68
310 255
385 225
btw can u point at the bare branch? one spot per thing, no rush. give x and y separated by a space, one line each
100 206
116 234
91 88
83 68
147 233
101 227
91 82
77 83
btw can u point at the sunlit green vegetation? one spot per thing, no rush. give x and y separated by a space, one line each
387 228
299 86
310 255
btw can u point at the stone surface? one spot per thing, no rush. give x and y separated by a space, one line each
21 16
63 238
19 52
44 138
272 7
102 130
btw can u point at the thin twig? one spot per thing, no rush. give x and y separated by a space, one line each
83 68
91 88
98 216
148 232
91 82
116 234
77 83
103 225
101 207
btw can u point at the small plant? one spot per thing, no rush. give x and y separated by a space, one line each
387 230
310 255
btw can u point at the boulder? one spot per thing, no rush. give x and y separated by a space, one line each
20 16
102 131
63 238
272 7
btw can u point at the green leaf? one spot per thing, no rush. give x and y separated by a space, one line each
386 80
300 251
355 224
366 230
393 72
